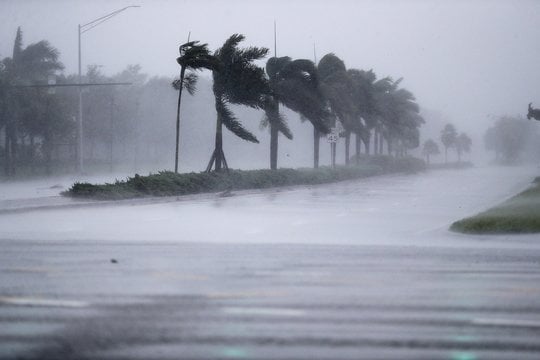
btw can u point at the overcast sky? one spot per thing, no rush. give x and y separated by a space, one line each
465 59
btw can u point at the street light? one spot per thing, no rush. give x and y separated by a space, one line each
82 29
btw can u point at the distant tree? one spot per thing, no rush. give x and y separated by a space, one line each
509 138
430 148
463 144
448 138
238 81
193 56
28 66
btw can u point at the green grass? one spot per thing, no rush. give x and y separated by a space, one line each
520 214
170 184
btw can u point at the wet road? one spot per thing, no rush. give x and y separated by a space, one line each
360 270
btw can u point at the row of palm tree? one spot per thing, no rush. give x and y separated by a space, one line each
450 139
327 94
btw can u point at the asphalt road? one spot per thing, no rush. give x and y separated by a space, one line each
269 282
246 301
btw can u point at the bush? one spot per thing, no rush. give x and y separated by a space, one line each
167 183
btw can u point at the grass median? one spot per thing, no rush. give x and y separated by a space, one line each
170 184
519 214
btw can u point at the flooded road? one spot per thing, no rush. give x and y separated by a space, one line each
357 270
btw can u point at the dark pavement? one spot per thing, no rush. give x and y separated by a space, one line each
264 301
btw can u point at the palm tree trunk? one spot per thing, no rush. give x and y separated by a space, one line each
445 154
218 152
367 142
7 164
13 150
381 143
274 135
347 146
32 155
358 148
376 142
48 151
333 147
182 72
316 138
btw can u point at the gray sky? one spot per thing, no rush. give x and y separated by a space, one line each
465 59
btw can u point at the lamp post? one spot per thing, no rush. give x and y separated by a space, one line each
81 30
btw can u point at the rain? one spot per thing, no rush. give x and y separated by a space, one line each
269 179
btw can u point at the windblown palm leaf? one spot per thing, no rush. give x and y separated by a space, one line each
231 122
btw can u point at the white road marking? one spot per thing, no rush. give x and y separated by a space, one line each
29 301
263 311
506 322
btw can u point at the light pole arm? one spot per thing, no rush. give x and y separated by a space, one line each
92 24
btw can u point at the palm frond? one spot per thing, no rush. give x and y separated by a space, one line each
231 122
190 83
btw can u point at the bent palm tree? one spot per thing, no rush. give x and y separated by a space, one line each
364 101
293 83
338 90
238 81
193 56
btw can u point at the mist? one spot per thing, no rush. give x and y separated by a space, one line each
250 179
471 62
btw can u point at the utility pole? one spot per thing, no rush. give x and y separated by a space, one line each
81 30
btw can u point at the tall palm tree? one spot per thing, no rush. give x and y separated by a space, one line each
463 144
382 89
337 89
448 138
399 114
429 148
364 101
238 81
293 83
193 56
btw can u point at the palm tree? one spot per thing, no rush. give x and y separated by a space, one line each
381 101
364 100
400 117
293 83
193 56
463 144
238 81
337 89
448 138
429 148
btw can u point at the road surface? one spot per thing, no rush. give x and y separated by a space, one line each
357 270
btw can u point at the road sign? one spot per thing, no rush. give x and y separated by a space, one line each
332 137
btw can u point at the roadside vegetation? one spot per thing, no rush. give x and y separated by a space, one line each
519 214
170 184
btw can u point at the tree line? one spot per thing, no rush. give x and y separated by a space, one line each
37 125
450 139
